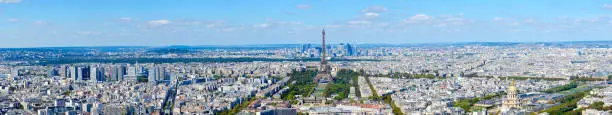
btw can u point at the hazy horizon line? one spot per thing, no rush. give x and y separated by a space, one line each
268 45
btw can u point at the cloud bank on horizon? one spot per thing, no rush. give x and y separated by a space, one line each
38 23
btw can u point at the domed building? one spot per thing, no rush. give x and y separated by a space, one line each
512 99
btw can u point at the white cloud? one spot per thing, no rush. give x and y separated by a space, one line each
382 24
10 1
418 18
530 21
159 22
439 21
214 24
332 26
376 9
290 23
211 25
359 22
371 14
304 6
40 22
606 6
125 19
89 33
517 30
187 23
497 19
271 23
12 20
453 20
229 29
263 25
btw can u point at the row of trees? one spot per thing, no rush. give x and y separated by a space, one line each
565 87
585 79
237 108
395 109
356 84
385 98
374 94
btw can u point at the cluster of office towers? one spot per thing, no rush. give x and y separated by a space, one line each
86 73
97 73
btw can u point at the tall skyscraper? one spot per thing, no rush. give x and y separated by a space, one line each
96 74
73 72
63 71
117 73
100 75
343 49
85 73
161 73
350 51
79 74
131 71
122 71
151 73
112 74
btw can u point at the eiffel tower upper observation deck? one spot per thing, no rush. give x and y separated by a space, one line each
323 75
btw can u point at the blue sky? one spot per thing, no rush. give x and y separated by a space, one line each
43 23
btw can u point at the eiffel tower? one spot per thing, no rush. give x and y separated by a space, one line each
323 75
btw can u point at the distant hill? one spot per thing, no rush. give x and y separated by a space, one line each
170 50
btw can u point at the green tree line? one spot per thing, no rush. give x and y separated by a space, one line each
565 87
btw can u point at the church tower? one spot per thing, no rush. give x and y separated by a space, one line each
512 99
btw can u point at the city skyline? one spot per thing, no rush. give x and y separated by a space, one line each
320 77
35 23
